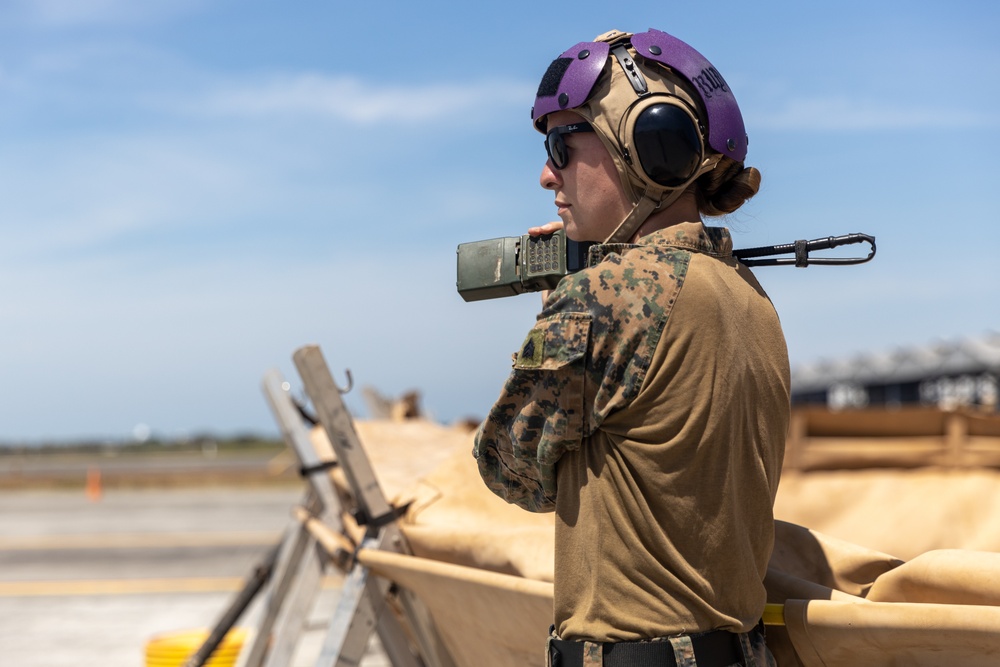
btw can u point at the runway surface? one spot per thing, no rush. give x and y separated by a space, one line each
87 583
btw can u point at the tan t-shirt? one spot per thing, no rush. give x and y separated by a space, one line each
648 407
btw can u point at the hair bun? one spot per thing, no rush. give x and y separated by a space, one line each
726 188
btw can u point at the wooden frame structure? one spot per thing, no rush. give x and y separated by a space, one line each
409 640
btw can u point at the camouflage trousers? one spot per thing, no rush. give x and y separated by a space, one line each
752 645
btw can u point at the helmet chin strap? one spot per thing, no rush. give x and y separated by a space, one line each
638 215
647 205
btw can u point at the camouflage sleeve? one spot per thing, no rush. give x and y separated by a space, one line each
539 415
628 297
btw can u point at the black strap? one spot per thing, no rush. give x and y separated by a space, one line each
374 523
801 254
310 419
718 648
305 471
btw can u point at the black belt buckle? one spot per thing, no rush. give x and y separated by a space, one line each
718 648
565 653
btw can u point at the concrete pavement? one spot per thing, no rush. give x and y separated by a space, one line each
86 583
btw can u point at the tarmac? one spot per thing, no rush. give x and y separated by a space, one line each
88 580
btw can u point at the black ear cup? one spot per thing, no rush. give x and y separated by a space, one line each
667 144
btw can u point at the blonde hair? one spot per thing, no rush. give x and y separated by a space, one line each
725 188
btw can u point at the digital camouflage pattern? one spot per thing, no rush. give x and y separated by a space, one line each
585 358
683 651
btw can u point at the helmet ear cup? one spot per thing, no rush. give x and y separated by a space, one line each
667 144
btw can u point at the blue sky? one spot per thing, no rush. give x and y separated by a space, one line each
190 190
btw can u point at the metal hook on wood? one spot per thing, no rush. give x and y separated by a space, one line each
350 382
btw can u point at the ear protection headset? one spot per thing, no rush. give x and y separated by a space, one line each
667 144
661 135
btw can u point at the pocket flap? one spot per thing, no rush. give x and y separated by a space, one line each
554 342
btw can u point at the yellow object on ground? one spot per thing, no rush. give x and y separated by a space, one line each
172 649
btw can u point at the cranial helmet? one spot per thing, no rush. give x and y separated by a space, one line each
663 111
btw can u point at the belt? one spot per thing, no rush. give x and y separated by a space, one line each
718 648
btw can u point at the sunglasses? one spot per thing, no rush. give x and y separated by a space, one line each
555 145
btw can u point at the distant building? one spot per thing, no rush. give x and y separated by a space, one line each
946 375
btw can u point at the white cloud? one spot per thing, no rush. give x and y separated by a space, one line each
844 114
357 100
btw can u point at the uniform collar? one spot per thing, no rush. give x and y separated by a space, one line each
714 241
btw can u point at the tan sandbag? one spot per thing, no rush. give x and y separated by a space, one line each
817 559
809 565
404 452
880 634
483 618
948 576
900 512
454 518
401 453
782 586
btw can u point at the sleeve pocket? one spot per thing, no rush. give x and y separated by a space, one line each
554 342
551 361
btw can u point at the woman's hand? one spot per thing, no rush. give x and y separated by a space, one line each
547 228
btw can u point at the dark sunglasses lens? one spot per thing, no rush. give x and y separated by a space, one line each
556 148
555 145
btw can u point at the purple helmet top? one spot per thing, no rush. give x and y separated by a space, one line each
571 77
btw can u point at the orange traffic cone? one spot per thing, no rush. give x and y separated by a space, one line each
93 484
